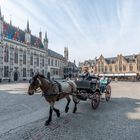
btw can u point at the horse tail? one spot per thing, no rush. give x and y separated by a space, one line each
73 85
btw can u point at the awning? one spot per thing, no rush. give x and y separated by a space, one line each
130 74
121 74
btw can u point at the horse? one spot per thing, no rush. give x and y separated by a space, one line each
54 91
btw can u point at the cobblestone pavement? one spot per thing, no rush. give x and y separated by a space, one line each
118 119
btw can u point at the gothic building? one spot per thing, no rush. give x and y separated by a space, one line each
22 54
121 67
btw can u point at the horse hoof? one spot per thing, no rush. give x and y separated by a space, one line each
74 111
47 123
66 109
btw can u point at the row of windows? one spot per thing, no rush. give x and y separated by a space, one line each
7 72
117 68
53 62
6 57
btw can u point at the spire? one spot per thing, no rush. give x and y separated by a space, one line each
40 35
28 29
46 35
1 17
0 11
46 38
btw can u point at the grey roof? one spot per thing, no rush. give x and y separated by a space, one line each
71 64
130 58
111 60
52 53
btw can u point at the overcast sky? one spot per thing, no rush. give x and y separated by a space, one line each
87 27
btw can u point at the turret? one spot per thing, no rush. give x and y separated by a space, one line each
66 53
1 25
28 34
46 41
40 35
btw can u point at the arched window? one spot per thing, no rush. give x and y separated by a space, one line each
138 63
120 65
37 60
43 61
105 68
6 54
31 59
102 66
98 66
24 57
124 68
131 67
16 56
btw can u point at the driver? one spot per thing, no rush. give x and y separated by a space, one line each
86 74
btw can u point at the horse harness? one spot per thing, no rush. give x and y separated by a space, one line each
54 90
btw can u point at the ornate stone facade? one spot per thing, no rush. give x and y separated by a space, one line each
120 66
22 54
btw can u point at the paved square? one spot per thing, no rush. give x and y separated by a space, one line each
23 116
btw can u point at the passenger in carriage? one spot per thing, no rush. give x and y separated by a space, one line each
103 83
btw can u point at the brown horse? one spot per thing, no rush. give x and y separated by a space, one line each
54 91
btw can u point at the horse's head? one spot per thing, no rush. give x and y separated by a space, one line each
35 83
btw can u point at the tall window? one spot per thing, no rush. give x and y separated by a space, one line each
31 73
116 68
43 61
24 57
55 62
52 62
49 61
124 68
102 66
6 71
24 72
138 63
16 55
98 66
131 67
6 54
110 68
95 69
37 60
31 59
105 68
120 65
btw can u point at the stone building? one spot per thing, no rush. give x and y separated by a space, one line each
22 54
56 63
121 67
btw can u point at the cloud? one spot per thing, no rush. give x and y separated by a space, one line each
89 28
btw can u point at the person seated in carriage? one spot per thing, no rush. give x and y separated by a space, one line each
103 83
86 74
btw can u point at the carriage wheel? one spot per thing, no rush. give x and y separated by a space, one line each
108 93
95 100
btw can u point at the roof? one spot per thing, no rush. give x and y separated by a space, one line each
111 60
12 32
71 64
52 53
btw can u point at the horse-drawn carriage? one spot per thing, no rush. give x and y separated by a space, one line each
91 88
82 89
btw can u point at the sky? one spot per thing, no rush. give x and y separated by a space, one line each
88 28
